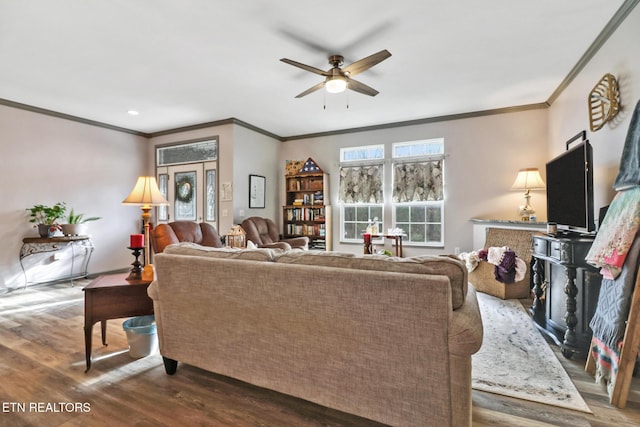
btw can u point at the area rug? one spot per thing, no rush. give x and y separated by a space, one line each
516 361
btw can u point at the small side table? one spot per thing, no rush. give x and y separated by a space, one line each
396 237
111 297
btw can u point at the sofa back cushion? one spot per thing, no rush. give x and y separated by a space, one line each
442 265
258 254
183 231
261 231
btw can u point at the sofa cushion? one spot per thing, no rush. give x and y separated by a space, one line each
258 254
325 259
426 264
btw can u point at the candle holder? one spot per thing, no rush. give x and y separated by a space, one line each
136 271
367 248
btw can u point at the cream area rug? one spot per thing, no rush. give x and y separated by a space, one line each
516 361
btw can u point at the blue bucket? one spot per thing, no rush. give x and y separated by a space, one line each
142 335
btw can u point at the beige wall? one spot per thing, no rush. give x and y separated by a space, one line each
47 160
568 115
483 158
255 154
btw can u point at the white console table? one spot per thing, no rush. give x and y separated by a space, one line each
52 259
480 228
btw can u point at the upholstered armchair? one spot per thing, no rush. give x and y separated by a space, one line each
263 232
184 231
483 277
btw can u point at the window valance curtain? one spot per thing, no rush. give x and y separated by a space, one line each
417 181
361 184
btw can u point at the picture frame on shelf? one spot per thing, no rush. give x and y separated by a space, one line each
257 187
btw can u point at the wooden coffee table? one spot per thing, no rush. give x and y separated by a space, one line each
112 297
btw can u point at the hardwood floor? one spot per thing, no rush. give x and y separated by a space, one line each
43 382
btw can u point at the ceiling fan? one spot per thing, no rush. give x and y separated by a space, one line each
338 79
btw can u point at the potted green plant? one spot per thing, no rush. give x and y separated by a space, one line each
45 218
76 223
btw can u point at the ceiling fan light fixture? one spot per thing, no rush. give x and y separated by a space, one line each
335 84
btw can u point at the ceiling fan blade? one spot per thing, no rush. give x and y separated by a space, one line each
306 40
311 89
362 88
366 63
305 67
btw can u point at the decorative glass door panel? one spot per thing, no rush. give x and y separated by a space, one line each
185 196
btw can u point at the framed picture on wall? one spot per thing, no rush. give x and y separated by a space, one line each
257 185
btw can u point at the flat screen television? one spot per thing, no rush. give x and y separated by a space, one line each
570 189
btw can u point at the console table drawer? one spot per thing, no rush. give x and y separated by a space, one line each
539 246
556 250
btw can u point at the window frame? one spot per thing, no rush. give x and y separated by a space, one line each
358 238
426 204
362 155
422 155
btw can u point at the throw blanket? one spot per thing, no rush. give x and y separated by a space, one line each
607 360
612 310
508 267
609 320
616 233
629 172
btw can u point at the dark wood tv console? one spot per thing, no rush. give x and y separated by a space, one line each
566 291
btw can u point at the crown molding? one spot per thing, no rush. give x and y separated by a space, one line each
77 119
229 121
421 121
613 24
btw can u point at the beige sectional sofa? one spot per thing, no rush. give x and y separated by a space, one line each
389 339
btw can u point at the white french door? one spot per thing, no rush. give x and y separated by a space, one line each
191 192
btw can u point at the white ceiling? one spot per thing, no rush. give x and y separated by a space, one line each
187 62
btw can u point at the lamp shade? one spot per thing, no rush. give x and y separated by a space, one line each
145 192
528 179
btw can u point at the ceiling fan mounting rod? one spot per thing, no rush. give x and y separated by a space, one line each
336 60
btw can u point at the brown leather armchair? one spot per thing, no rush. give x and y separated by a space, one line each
264 233
184 231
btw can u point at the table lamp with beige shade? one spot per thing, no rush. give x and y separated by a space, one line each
146 194
528 179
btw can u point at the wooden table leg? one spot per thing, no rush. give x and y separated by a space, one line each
88 330
103 327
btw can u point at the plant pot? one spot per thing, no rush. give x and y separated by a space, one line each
43 230
74 229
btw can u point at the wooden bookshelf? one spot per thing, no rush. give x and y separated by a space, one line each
306 212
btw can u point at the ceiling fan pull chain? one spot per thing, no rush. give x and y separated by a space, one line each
324 100
347 95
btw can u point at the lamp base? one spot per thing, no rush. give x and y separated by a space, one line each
148 273
527 213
